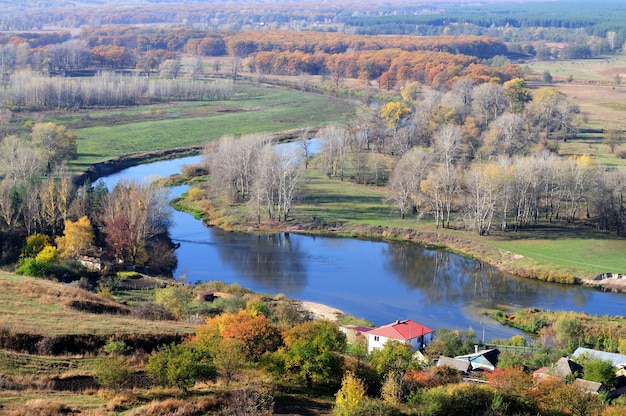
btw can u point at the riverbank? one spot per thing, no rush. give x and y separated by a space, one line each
457 241
448 239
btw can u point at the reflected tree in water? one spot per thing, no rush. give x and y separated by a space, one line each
273 260
446 278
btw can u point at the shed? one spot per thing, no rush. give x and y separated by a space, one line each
618 360
482 360
206 296
590 386
463 366
354 332
563 368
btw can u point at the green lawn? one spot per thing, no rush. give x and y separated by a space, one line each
567 247
252 110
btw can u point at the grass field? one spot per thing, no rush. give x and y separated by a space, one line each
37 306
103 135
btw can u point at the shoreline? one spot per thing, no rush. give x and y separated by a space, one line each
606 282
428 239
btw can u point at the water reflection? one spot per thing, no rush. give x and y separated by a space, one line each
445 278
272 261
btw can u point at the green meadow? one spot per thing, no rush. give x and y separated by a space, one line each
103 135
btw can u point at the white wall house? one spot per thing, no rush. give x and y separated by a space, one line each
407 330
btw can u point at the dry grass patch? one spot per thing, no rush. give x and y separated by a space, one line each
37 306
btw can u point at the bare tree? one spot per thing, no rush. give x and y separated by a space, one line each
19 162
405 180
506 135
169 68
193 68
233 164
443 183
333 150
483 185
489 101
10 204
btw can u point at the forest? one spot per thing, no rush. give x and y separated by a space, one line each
435 110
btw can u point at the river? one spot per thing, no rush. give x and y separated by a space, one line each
378 281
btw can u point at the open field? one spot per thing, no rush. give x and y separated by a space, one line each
602 102
31 305
601 70
106 134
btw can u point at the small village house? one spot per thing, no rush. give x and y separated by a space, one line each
406 330
481 360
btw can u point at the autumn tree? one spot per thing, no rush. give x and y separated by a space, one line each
78 238
134 213
518 94
508 381
254 333
229 358
312 351
554 395
349 396
55 143
35 244
394 356
551 113
394 113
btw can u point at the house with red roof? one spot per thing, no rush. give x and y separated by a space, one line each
407 330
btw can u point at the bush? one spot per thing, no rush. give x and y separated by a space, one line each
195 194
180 365
456 400
116 348
154 312
349 397
113 372
368 407
250 401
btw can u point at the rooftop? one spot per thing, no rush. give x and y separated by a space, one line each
404 330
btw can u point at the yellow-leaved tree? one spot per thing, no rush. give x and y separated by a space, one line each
78 237
394 113
350 396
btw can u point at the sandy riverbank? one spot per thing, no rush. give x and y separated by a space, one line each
320 311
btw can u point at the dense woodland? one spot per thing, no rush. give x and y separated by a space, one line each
448 126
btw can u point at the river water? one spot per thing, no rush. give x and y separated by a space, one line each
378 281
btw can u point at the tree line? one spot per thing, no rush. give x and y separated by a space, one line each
33 91
477 156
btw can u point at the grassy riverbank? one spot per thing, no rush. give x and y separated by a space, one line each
558 252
